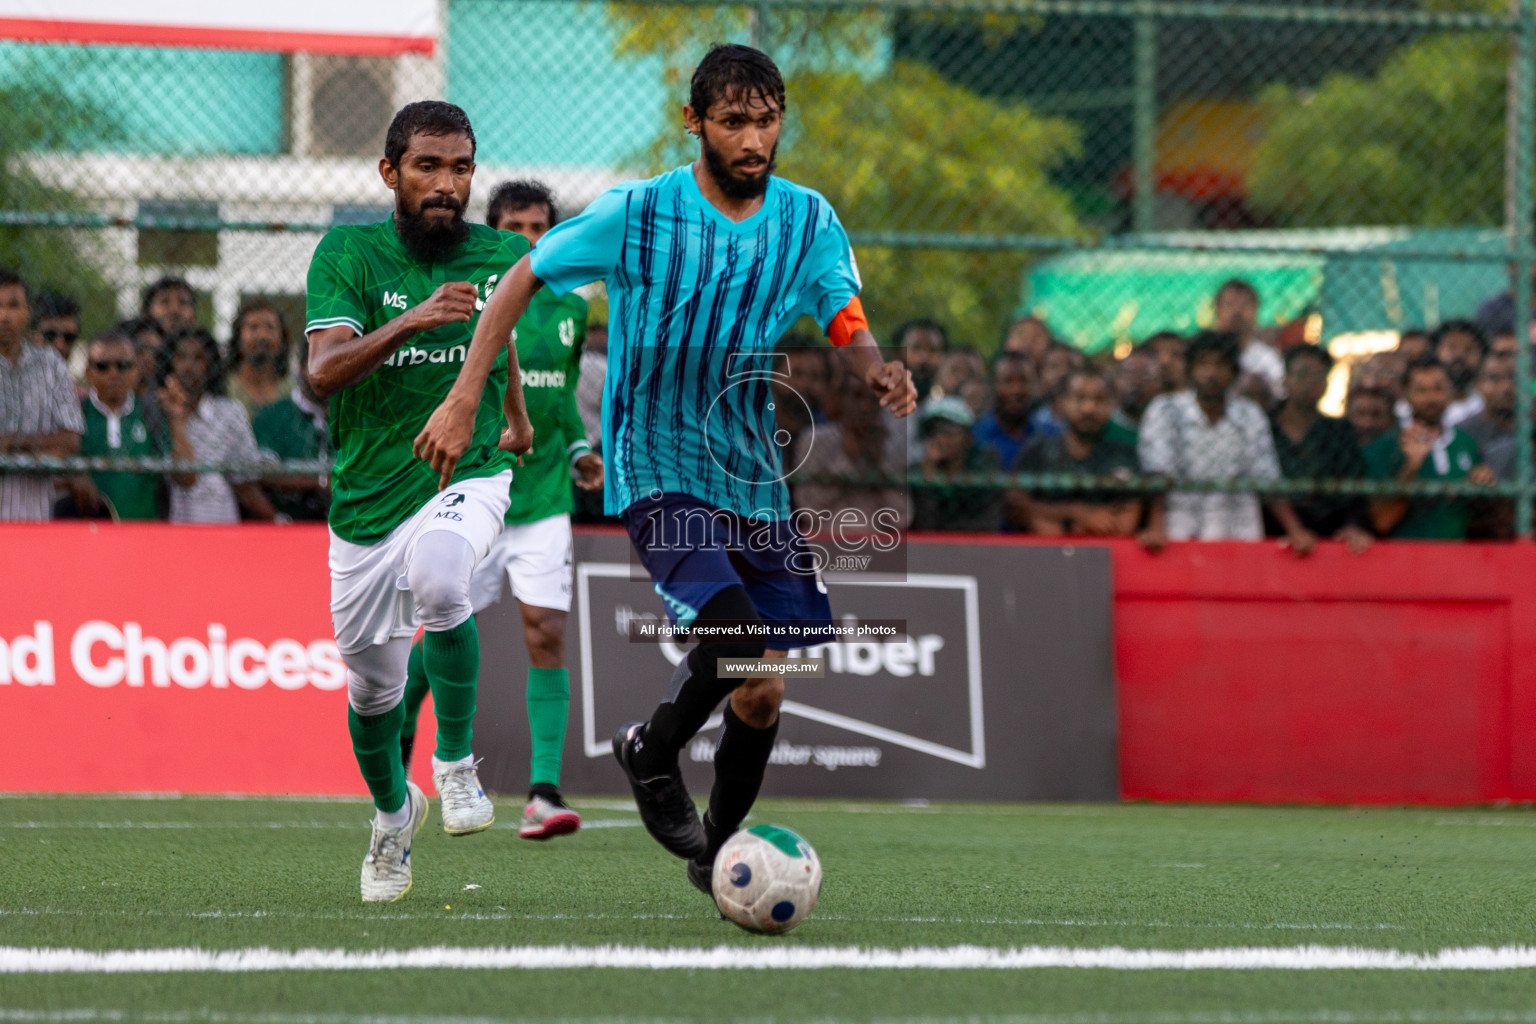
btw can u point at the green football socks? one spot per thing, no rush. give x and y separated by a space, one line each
452 662
376 743
416 690
549 699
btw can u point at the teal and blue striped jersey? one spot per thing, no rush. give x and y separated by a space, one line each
695 304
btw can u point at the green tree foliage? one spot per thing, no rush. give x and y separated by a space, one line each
1421 142
894 147
41 118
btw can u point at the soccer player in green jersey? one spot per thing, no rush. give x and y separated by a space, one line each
534 550
391 310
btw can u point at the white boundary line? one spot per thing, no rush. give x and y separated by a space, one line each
20 960
1088 1017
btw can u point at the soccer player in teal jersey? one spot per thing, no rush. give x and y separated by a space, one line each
533 552
391 311
706 267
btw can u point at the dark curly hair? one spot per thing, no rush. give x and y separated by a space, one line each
729 68
214 383
1223 343
426 117
514 195
237 357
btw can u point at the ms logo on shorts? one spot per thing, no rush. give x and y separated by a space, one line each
449 501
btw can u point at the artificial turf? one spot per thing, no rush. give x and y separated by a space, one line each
115 873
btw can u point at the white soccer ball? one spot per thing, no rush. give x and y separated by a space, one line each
767 879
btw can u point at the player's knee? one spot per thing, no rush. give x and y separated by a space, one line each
439 576
546 645
373 696
546 639
756 702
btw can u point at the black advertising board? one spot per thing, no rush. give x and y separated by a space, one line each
1001 689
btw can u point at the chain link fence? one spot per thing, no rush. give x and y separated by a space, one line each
1089 171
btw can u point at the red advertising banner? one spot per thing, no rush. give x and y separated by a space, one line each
153 658
200 659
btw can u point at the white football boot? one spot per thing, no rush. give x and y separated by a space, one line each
387 868
545 819
466 808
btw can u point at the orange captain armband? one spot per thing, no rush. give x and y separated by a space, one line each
850 319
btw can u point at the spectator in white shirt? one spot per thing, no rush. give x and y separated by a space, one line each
1261 371
219 431
1460 346
1206 433
39 413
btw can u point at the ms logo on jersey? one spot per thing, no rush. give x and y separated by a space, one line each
395 300
568 332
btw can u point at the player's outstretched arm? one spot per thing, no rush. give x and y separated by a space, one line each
889 379
340 357
447 434
856 346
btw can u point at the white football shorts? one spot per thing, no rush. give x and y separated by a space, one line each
370 599
536 558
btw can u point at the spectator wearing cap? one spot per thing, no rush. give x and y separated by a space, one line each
1459 346
1138 380
192 398
172 304
1085 447
949 450
115 426
1004 428
1312 446
1427 449
259 350
39 413
1261 371
1206 433
294 428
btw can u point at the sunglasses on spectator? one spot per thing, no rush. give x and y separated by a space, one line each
103 365
68 336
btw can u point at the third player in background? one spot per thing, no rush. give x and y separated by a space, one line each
534 550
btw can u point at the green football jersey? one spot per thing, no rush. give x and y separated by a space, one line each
134 495
549 340
364 277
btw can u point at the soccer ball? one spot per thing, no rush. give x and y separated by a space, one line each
767 879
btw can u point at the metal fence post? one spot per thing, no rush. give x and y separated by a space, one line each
1519 139
1144 118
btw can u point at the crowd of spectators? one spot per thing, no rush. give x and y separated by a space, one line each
1234 401
155 386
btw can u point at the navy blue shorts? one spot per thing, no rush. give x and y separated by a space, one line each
694 550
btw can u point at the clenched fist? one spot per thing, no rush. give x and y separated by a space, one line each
452 303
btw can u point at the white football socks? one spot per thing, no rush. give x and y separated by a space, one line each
396 819
442 766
